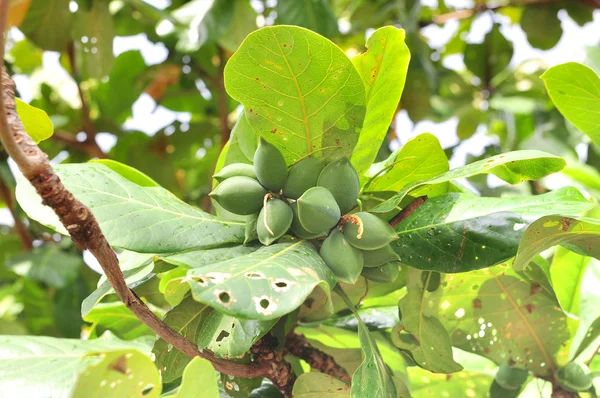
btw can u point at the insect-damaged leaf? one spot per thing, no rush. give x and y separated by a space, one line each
141 219
420 334
266 284
224 335
300 91
580 234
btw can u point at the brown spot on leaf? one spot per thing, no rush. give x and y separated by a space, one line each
119 365
565 223
530 308
535 289
477 303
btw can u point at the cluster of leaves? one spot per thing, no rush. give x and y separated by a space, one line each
478 288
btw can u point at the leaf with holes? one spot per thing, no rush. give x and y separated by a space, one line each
460 232
122 373
420 334
579 234
504 316
314 384
224 335
266 284
300 91
383 69
142 219
512 167
575 90
22 356
420 158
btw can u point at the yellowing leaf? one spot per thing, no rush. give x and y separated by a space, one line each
36 122
16 11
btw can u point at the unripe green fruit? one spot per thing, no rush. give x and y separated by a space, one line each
574 376
299 230
342 181
274 221
302 176
318 210
386 273
343 259
375 233
270 166
377 257
235 169
240 195
511 378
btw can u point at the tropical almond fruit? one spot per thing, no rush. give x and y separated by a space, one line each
575 376
274 221
377 257
368 232
386 273
270 166
235 169
240 195
299 230
302 176
317 210
342 181
343 259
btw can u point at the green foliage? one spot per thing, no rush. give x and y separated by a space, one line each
36 122
325 386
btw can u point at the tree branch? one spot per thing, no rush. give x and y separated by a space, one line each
280 372
407 210
297 345
6 196
86 233
91 148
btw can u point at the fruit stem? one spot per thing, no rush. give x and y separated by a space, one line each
265 200
312 153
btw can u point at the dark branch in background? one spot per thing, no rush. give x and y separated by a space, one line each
297 345
86 234
91 148
88 124
7 198
222 98
407 211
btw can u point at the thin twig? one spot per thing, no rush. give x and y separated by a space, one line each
86 233
407 210
298 346
7 197
92 149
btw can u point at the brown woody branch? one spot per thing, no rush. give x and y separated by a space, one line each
297 345
265 353
407 210
86 234
91 148
21 229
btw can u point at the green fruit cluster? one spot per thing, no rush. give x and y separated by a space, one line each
311 200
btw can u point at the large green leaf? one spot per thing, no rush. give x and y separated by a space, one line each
49 367
580 234
460 232
198 381
542 26
420 158
372 378
420 334
314 384
300 91
463 384
224 335
503 316
383 68
142 219
122 373
47 264
512 167
315 15
489 58
39 24
266 284
36 122
575 90
566 275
